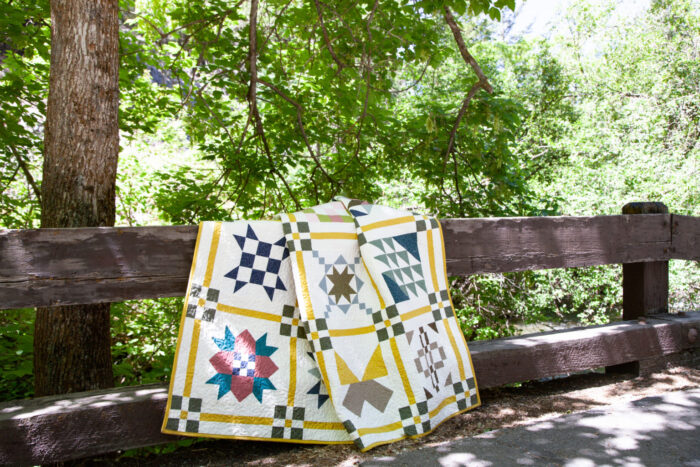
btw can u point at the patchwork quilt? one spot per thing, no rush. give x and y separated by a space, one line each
334 325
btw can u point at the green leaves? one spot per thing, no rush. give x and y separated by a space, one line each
143 343
331 76
16 354
23 84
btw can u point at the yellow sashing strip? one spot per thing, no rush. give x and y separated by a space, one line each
351 332
333 235
292 371
387 223
380 429
245 420
249 313
192 358
306 296
323 425
417 312
322 366
442 405
449 295
431 257
402 371
182 323
212 254
460 364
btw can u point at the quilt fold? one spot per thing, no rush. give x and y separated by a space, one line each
334 325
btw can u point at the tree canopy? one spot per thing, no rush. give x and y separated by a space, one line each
366 99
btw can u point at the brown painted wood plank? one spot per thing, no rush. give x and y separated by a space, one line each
92 265
527 243
685 237
72 266
57 428
690 327
644 285
95 252
503 361
644 289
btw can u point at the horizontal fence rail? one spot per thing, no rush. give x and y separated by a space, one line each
685 237
90 265
57 428
526 243
46 267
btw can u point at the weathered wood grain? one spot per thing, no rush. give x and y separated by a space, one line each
517 244
645 285
57 428
690 327
45 267
503 361
95 252
72 266
685 237
644 289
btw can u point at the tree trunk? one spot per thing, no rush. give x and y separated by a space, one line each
81 147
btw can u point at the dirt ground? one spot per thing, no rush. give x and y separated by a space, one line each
501 407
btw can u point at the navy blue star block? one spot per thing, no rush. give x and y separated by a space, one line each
265 273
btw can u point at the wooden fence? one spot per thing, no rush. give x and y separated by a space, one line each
74 266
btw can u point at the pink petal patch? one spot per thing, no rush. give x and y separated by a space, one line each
241 387
264 367
222 362
245 343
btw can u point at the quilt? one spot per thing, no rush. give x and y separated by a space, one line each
332 325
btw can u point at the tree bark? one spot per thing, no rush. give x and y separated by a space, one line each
81 147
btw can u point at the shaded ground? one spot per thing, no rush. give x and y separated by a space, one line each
502 407
651 431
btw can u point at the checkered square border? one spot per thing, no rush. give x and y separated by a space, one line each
288 422
415 418
201 303
290 325
300 235
465 396
184 414
388 323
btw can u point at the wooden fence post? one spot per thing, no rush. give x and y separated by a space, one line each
644 285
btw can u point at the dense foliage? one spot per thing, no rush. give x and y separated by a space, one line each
365 99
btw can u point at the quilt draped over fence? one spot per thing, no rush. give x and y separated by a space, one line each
334 325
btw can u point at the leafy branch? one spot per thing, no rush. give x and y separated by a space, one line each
300 123
482 83
27 173
253 99
327 40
